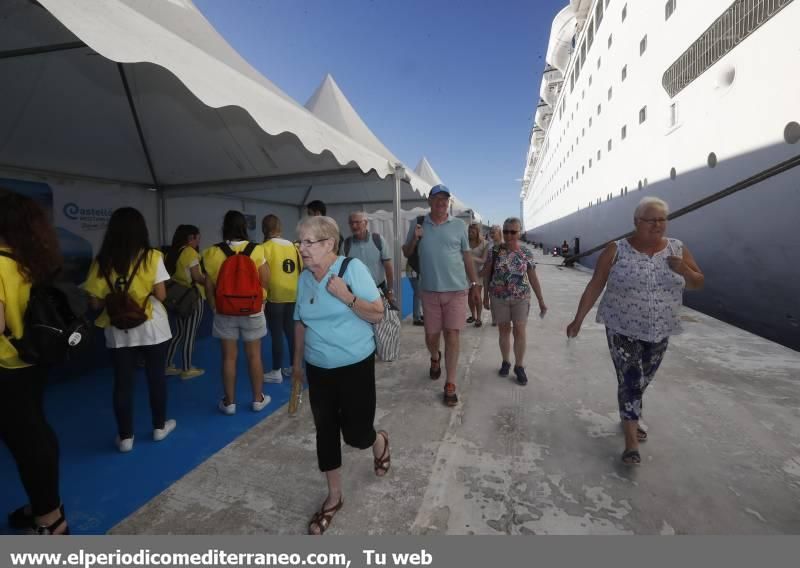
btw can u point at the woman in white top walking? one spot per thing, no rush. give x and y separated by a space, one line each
645 276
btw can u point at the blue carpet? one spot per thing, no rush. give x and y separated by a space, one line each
100 486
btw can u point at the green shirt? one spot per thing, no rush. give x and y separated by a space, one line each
441 254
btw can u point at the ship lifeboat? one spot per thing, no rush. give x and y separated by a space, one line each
552 81
559 49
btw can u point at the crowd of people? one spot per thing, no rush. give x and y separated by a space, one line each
322 293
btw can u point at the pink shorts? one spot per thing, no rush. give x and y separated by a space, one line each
444 310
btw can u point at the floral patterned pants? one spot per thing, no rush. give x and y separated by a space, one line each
636 363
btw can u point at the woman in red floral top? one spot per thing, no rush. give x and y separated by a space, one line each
510 274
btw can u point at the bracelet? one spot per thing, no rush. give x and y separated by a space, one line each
353 303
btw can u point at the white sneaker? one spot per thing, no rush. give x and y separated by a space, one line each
259 406
161 433
230 409
274 376
287 371
125 445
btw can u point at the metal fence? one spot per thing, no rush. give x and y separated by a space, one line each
741 19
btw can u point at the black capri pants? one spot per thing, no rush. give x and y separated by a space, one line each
343 404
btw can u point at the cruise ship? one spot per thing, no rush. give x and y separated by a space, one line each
695 102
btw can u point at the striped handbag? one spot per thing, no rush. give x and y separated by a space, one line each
387 332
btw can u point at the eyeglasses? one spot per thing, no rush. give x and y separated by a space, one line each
652 222
509 232
307 243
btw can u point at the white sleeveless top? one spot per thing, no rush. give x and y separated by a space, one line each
643 294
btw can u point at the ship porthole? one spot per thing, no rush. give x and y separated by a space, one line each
640 184
792 133
712 160
726 78
673 174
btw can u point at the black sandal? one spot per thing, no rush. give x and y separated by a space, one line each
383 463
631 457
322 518
436 367
51 529
20 519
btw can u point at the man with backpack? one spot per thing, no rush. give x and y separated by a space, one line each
371 249
447 274
237 277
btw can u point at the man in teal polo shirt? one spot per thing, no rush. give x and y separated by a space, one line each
447 274
372 250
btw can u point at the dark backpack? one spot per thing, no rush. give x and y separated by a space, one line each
413 260
348 243
123 311
55 326
238 291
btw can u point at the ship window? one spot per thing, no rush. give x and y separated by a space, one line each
673 174
609 144
583 169
792 133
673 114
624 132
669 8
643 45
642 114
599 60
640 185
624 12
599 107
590 163
598 14
626 190
590 35
610 40
610 92
645 182
598 155
590 80
624 72
712 160
583 132
571 82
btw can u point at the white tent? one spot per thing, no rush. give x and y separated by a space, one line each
147 98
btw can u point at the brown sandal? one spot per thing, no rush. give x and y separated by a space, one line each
322 518
436 367
383 463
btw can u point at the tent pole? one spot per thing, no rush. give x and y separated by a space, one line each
399 174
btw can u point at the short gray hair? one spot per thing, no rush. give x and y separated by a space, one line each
513 221
362 214
320 227
648 202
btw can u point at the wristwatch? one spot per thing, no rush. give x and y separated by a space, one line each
353 303
473 284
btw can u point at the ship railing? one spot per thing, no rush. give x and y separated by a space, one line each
739 186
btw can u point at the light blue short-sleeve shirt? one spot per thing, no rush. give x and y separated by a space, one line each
441 254
335 336
368 253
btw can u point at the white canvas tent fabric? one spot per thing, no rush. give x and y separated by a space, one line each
426 172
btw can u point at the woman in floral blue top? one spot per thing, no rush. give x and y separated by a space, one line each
510 274
644 277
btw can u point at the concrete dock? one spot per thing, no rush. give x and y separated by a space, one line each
723 455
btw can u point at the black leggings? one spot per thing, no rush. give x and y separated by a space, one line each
280 320
30 439
343 404
124 358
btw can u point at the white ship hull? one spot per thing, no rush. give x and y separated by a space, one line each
713 138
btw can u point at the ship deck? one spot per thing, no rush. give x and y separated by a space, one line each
723 455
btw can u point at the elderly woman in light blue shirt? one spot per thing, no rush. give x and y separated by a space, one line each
644 277
333 316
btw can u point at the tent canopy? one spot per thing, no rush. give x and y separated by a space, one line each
149 94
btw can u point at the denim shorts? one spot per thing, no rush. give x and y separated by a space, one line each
250 328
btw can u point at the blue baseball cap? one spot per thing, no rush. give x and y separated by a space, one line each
437 189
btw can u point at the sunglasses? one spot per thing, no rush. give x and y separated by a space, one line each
509 232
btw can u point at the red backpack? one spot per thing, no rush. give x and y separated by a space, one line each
238 285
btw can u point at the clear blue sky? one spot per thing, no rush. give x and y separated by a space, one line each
454 80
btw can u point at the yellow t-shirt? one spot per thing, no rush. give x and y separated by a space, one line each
141 286
14 294
213 257
188 258
285 266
